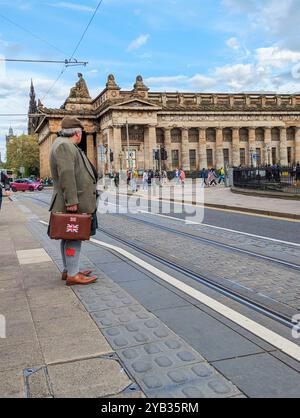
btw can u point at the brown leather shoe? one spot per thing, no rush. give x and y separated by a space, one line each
83 273
80 280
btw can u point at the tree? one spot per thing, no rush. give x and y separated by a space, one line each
23 151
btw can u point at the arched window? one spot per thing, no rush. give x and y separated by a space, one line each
193 135
291 134
176 135
211 135
227 135
275 134
244 135
260 135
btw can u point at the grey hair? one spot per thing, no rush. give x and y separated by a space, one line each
69 132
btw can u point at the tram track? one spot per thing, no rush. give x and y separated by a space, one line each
236 295
260 307
203 240
214 243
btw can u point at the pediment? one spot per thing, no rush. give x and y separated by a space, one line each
136 103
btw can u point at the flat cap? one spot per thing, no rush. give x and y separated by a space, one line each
71 123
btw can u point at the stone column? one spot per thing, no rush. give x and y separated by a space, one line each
90 149
297 145
283 147
168 147
236 161
268 146
202 149
149 146
116 146
252 144
219 148
185 157
100 164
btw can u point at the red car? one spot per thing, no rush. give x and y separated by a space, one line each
23 185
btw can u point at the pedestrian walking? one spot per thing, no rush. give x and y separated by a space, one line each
204 176
182 177
75 181
145 180
116 179
222 176
177 176
212 178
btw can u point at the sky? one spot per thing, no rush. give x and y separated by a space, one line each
176 45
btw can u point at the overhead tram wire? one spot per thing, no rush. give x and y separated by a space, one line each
86 29
75 50
68 63
32 34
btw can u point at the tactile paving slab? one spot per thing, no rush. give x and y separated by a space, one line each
137 333
196 381
115 317
158 356
109 299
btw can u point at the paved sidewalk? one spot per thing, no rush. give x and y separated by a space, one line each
223 198
94 341
53 347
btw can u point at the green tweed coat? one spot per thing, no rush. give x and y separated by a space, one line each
74 179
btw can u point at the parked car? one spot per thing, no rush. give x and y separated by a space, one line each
23 185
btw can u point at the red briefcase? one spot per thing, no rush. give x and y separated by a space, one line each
70 226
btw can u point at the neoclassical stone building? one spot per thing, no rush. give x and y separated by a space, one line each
197 129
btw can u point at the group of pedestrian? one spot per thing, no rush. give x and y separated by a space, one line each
212 177
180 176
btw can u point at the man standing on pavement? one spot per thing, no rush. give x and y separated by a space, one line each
75 181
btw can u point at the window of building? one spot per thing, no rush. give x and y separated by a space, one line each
274 155
260 134
210 158
175 158
226 156
176 136
244 135
193 161
227 135
290 155
211 135
242 156
193 135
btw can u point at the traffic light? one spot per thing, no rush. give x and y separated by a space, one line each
164 154
111 157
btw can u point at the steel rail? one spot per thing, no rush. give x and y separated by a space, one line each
258 307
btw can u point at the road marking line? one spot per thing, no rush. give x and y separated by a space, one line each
240 212
283 344
294 244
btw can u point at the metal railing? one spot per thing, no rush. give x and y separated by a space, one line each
275 179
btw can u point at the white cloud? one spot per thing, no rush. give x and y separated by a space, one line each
276 57
71 6
233 43
138 42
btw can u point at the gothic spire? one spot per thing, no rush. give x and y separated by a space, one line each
33 109
32 103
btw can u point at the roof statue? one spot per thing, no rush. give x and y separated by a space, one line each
139 84
111 82
80 91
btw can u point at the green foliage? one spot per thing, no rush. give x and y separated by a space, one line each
23 151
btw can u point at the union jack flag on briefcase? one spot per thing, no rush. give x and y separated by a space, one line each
72 228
